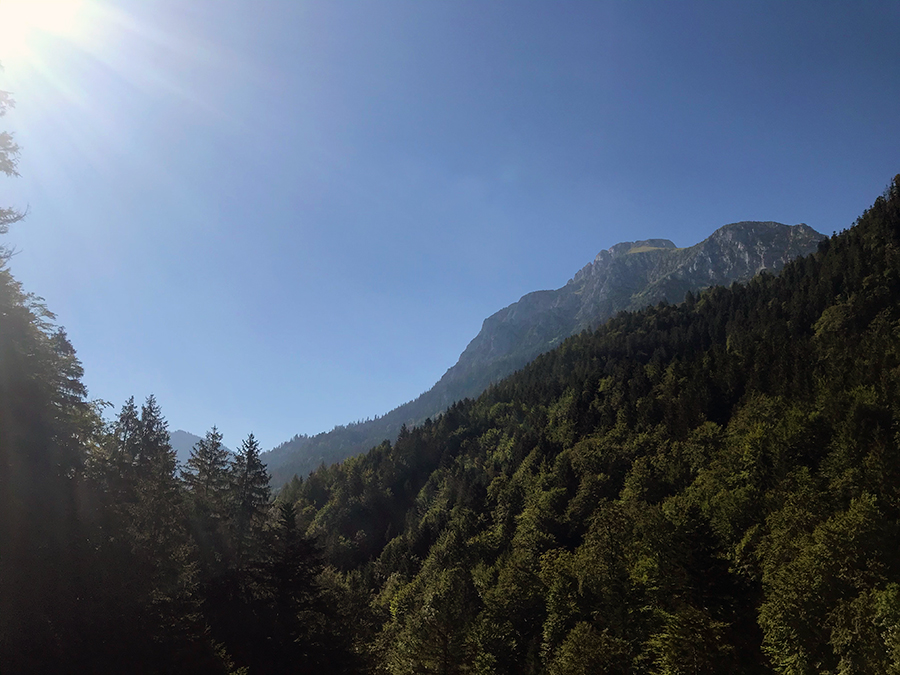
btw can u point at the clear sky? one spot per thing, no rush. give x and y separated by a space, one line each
279 216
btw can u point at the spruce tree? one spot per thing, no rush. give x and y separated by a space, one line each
157 515
250 494
155 454
207 472
208 478
292 566
127 432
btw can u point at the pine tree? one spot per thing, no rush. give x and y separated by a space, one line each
298 622
126 437
127 429
155 454
157 515
46 552
207 472
208 478
250 494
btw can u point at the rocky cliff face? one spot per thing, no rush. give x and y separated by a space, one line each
628 276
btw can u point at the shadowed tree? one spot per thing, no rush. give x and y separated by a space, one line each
250 495
208 479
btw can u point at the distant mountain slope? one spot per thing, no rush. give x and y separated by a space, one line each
707 487
628 276
182 443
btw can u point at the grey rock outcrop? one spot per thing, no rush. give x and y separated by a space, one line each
628 276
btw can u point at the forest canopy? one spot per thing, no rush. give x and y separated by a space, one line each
712 486
703 487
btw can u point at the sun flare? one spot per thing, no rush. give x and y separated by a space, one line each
23 21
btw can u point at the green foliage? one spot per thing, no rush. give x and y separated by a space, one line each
708 487
206 474
585 651
250 496
9 160
701 488
111 564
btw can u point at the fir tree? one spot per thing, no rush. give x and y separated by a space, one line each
127 432
207 472
250 493
157 514
208 479
155 453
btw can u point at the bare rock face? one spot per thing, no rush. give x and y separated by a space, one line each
629 276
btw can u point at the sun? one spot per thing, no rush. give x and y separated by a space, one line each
23 22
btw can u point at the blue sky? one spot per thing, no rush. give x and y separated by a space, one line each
282 216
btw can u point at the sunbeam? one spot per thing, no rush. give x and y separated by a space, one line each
22 22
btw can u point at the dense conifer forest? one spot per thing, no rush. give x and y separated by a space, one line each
706 487
702 488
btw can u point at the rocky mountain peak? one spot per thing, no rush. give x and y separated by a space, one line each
641 246
628 276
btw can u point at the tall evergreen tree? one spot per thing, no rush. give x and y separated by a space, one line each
293 565
47 529
125 444
207 472
250 494
92 563
157 515
155 451
208 479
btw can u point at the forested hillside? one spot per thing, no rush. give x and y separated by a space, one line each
684 460
111 561
703 488
629 276
114 561
706 487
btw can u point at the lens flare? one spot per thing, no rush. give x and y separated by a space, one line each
24 21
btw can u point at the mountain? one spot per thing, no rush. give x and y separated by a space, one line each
629 276
707 487
182 443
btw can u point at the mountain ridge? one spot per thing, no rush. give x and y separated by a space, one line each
704 487
628 276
